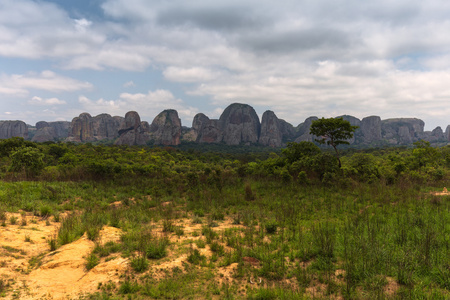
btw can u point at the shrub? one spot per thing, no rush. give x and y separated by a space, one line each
91 261
271 227
195 257
157 248
139 264
29 159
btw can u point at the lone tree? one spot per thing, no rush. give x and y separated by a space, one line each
333 132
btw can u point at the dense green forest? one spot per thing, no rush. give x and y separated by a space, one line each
304 227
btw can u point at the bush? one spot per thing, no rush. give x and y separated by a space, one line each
28 159
139 264
91 261
157 249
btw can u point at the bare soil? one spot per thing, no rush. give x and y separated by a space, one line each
32 271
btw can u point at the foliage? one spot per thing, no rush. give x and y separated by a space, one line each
333 132
29 159
297 151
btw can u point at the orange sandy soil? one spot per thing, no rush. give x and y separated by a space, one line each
58 274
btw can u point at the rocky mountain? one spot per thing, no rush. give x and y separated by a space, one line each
447 134
303 131
274 132
401 130
166 128
237 125
133 131
86 128
51 131
240 124
369 131
9 129
206 130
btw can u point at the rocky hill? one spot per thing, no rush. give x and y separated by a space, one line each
238 125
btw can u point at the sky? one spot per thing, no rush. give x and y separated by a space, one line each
298 58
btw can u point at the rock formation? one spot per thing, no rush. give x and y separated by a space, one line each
133 131
271 134
166 128
434 136
206 130
9 129
274 131
86 128
209 130
51 131
447 134
401 130
240 124
303 130
354 122
370 130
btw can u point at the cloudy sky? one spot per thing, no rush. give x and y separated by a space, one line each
299 58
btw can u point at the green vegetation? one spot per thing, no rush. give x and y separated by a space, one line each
333 132
286 225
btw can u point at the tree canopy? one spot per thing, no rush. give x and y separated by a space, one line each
333 132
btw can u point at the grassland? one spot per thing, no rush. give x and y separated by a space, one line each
192 225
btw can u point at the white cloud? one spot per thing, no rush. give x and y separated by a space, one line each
299 59
195 74
46 80
129 84
50 101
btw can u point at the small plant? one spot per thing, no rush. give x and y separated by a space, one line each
139 263
271 227
56 217
45 211
197 220
179 230
209 233
53 243
156 249
107 248
237 219
168 225
23 221
91 261
217 248
128 287
93 232
71 229
200 243
199 213
28 239
249 196
13 220
217 215
195 257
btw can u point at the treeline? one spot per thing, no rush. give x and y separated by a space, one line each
299 163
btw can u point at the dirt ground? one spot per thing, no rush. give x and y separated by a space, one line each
30 271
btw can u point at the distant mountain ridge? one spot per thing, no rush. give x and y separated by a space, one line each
238 125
